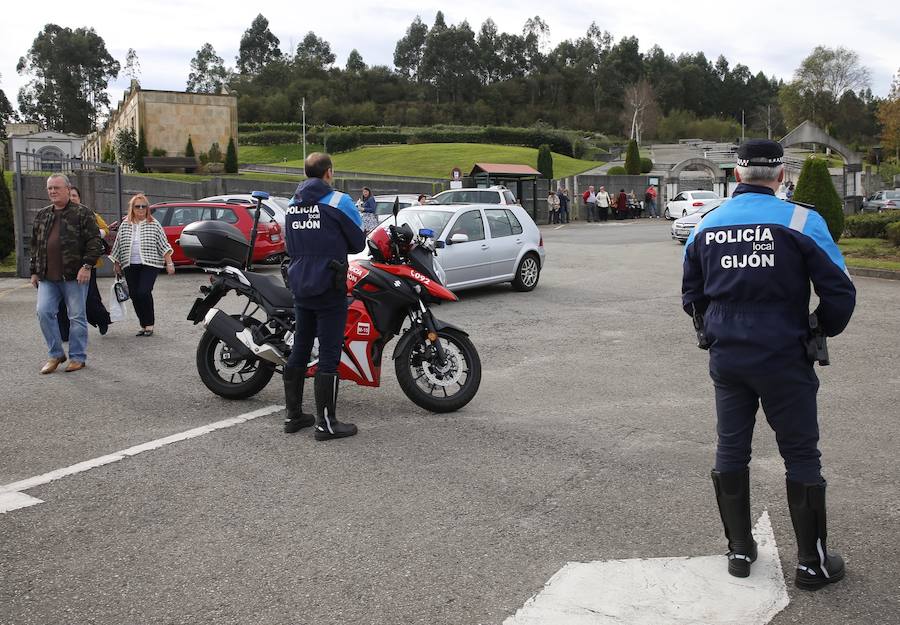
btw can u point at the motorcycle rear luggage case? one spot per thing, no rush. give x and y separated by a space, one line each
214 243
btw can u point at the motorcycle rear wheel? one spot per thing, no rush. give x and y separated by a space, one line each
436 388
228 376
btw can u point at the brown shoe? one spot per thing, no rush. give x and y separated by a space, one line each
52 364
74 366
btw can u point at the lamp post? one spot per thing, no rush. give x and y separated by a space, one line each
303 108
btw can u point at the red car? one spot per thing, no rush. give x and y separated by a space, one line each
174 216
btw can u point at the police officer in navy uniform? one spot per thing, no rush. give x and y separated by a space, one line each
322 226
748 266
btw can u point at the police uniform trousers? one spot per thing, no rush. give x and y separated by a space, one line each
788 398
323 316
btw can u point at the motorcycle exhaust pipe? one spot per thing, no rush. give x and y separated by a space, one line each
240 338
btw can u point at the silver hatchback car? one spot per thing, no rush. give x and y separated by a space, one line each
483 243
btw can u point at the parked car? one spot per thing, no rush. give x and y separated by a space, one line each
497 194
174 216
384 204
880 201
683 226
276 206
687 202
483 244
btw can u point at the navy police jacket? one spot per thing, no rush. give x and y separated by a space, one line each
748 266
321 225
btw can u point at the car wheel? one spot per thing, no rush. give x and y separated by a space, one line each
527 274
666 214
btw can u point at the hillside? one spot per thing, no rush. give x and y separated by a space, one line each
432 160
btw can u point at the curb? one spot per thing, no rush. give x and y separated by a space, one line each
884 274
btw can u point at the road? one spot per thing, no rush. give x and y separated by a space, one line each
591 438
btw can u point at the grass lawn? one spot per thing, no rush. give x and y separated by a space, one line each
870 253
436 160
202 177
8 264
274 154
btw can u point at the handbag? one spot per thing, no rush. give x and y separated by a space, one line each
118 311
119 290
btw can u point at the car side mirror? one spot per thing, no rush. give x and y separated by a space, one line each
439 245
459 237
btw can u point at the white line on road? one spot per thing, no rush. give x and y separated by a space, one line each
560 227
11 497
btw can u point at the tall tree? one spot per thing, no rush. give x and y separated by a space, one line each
7 114
641 112
208 72
132 69
71 70
408 51
889 118
355 63
314 53
259 46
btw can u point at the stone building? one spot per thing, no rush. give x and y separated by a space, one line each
168 119
47 150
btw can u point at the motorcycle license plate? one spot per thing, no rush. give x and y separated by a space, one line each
198 310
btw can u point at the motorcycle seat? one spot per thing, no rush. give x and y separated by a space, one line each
271 289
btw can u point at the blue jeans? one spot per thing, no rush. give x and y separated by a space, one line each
49 295
651 208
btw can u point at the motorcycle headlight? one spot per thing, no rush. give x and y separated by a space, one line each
439 272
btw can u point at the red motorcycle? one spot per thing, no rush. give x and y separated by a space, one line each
436 363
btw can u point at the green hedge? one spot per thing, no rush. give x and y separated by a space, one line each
616 170
646 165
892 232
269 137
870 226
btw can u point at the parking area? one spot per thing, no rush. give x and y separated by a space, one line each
591 438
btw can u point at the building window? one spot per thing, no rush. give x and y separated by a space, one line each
50 158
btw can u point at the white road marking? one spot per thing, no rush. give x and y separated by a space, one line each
662 591
560 227
11 497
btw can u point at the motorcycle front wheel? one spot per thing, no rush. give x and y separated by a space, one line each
436 387
228 375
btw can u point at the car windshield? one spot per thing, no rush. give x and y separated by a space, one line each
892 195
282 202
704 195
418 218
386 208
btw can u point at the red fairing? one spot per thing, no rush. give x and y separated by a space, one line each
405 271
355 275
356 363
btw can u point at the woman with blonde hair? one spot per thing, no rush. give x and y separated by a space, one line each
141 250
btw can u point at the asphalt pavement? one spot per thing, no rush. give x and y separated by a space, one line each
591 438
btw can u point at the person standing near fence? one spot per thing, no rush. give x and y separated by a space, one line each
552 208
650 202
563 195
603 202
590 203
65 245
141 250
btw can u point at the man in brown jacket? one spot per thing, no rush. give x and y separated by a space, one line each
65 244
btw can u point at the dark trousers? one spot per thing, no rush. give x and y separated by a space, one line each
788 398
140 280
564 215
603 212
97 315
322 317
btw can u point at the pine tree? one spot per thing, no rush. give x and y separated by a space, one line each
815 187
545 161
231 162
189 149
7 238
141 152
633 159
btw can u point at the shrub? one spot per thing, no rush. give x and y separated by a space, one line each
158 152
231 163
646 165
545 161
616 170
633 159
7 237
891 231
579 148
271 137
109 155
215 153
126 149
815 187
189 148
871 226
204 158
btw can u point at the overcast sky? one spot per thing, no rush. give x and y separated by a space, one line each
167 33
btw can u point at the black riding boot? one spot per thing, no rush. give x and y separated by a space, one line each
733 497
816 567
294 378
327 425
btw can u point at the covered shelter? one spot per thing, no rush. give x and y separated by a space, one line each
507 174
